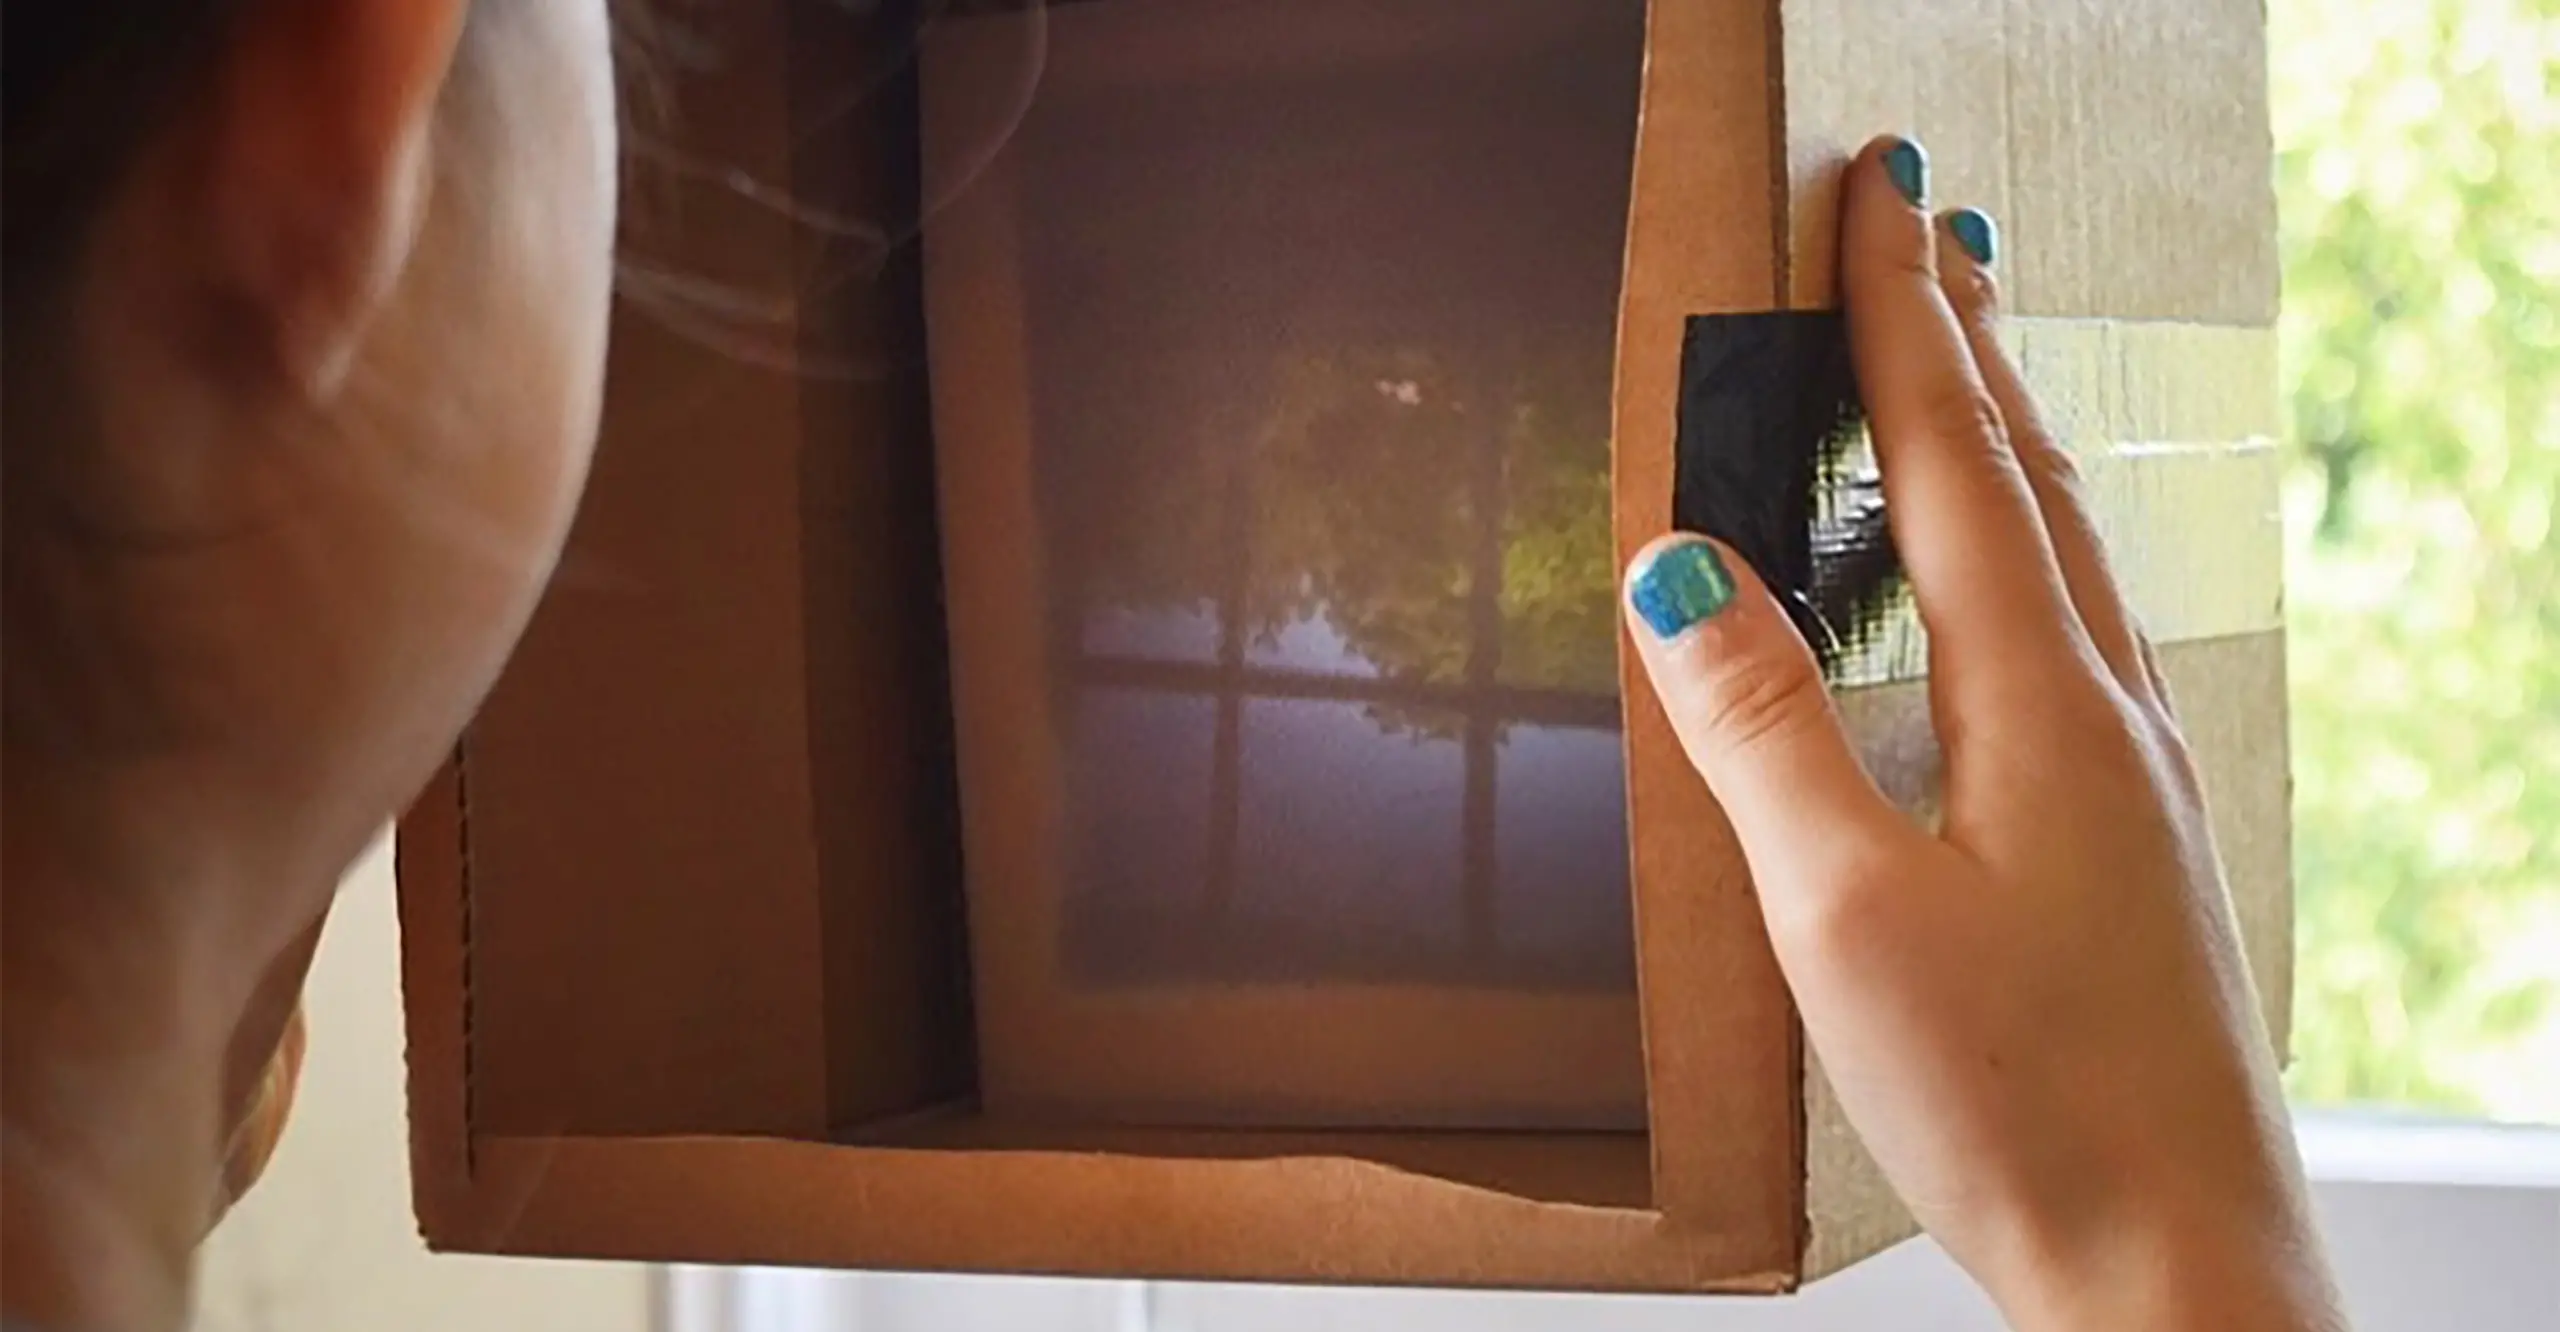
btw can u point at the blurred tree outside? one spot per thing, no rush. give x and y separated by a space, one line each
2418 173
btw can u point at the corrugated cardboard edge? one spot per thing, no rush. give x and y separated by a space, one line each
1704 234
433 886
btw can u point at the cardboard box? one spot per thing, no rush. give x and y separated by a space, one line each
868 862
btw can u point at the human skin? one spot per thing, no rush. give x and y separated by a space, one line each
296 423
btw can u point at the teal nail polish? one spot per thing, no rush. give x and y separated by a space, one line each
1909 168
1684 585
1976 232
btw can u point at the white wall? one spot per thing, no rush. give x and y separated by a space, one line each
326 1242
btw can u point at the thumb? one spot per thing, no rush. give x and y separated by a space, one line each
1750 708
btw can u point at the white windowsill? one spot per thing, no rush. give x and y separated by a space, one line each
2382 1147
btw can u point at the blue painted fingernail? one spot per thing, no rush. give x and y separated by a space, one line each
1976 232
1680 587
1909 168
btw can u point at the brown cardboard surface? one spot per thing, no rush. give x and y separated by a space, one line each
1599 1170
639 778
2123 146
703 864
2230 698
882 789
680 927
1296 1219
1720 1036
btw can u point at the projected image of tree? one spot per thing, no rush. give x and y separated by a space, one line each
1321 380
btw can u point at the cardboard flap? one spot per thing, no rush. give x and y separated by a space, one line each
1585 1169
708 868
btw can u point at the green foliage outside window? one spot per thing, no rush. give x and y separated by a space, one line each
2418 170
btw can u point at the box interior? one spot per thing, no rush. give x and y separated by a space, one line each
721 776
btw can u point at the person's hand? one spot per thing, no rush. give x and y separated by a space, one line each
2037 1018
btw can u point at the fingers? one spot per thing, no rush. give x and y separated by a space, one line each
1748 703
1964 517
1967 248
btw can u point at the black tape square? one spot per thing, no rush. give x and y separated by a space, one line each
1773 458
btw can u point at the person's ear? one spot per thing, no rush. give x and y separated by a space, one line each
306 169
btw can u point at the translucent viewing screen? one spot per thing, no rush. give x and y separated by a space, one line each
1319 341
